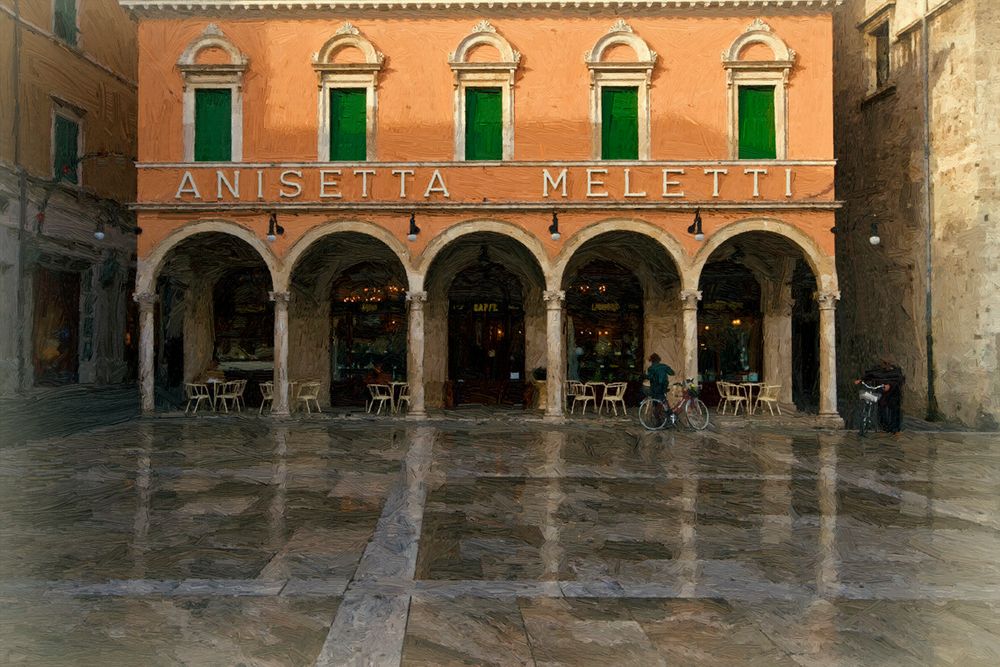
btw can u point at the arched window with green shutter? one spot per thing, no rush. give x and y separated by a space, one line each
756 123
619 123
348 124
483 124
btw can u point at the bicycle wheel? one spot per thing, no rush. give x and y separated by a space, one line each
697 414
864 419
648 416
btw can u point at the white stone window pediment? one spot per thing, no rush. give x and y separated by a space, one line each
637 73
768 72
333 74
499 73
213 75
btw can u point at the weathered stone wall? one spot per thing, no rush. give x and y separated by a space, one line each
880 150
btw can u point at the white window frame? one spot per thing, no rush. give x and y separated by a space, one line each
347 75
229 75
74 114
634 74
499 74
749 73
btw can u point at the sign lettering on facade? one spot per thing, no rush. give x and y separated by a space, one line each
492 183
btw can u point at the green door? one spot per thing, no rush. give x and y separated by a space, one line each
348 124
213 125
483 124
619 123
757 131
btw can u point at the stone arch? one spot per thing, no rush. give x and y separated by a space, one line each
455 232
149 268
212 37
348 36
484 34
823 266
621 34
663 238
376 232
759 32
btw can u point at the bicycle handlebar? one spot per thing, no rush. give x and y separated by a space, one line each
873 387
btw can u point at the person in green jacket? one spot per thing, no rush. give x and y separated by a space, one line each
658 375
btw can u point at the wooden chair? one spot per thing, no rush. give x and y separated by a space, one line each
267 395
404 396
614 395
768 394
573 387
381 394
196 393
586 393
309 391
226 393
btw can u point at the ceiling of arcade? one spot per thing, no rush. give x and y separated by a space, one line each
468 252
647 260
207 257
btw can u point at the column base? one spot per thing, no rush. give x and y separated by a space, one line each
830 420
554 417
281 413
416 416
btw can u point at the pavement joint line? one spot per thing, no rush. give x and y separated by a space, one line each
370 624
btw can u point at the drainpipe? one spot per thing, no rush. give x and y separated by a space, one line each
22 194
932 408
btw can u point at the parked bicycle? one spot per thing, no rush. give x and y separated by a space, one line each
655 414
868 408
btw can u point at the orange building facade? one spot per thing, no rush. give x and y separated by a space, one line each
462 197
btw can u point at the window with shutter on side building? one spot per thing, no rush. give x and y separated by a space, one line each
66 149
64 20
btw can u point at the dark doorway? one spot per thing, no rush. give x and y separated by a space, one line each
604 324
56 330
486 333
368 330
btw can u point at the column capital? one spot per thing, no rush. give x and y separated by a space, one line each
827 300
554 298
690 297
280 297
417 297
146 300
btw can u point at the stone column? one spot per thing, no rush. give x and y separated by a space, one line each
827 352
415 353
556 353
778 343
147 338
279 406
690 297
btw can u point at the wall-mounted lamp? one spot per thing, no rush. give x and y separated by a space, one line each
414 230
737 322
695 227
99 231
274 230
554 227
874 238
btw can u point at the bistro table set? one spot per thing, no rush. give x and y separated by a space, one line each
391 396
599 395
749 396
226 395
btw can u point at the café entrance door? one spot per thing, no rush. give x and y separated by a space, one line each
486 334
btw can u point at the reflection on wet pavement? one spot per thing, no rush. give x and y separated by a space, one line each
231 541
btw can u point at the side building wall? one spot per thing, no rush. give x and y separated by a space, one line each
880 145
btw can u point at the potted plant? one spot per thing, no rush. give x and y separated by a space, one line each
538 376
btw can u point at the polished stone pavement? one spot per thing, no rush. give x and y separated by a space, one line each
242 541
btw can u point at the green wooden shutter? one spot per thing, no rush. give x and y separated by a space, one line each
619 123
65 20
67 137
756 139
483 124
348 124
213 125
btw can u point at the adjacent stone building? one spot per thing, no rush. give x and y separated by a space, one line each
918 149
67 151
463 196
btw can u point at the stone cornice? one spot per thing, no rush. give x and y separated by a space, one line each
751 6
